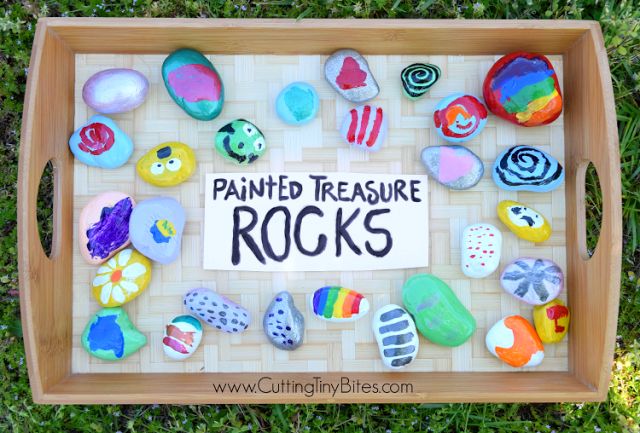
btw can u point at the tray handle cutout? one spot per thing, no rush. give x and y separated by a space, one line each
45 209
589 208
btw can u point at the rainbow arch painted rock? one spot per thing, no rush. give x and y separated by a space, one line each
338 304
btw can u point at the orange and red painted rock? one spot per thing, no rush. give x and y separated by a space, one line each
459 117
514 341
182 337
552 321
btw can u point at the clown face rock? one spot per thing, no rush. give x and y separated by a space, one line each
481 248
459 117
182 337
240 142
514 341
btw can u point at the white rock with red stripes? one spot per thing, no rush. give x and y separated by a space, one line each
365 127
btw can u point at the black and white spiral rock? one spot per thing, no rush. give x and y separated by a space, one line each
525 168
418 78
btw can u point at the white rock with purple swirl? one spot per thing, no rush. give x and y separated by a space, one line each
116 90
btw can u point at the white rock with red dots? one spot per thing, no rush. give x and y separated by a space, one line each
481 248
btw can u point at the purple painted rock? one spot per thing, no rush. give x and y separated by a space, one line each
534 281
115 90
216 310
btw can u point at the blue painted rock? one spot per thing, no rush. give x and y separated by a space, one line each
365 127
115 90
481 249
100 143
454 166
111 336
348 73
534 281
418 78
459 117
216 310
283 323
396 336
338 304
240 142
297 103
181 337
193 83
103 226
525 168
156 227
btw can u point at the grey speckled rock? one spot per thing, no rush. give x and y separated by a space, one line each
455 167
216 310
283 323
348 73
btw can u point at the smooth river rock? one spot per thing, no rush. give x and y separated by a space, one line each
101 143
167 164
115 90
216 310
365 127
525 168
283 323
182 336
121 279
551 321
418 78
240 142
396 336
297 103
524 221
338 304
453 166
111 336
534 281
514 341
459 117
156 227
348 73
481 248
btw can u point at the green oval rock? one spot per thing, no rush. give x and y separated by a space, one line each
193 83
438 313
110 335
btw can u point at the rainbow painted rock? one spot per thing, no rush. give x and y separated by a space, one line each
365 127
551 321
534 281
459 117
115 90
348 73
167 164
101 143
514 341
216 310
453 166
524 221
103 226
418 78
240 142
111 336
283 324
297 103
525 168
121 279
337 304
193 83
523 88
156 227
481 249
396 336
182 336
437 311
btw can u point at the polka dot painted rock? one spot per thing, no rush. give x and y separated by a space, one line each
459 117
101 143
514 341
193 83
365 127
524 221
453 166
111 336
552 321
167 164
396 336
418 78
121 279
481 248
525 168
216 310
297 103
348 73
283 323
337 304
240 142
115 90
181 337
534 281
103 226
156 227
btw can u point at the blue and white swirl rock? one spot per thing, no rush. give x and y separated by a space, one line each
101 143
396 336
525 168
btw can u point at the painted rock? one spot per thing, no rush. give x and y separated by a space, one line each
418 78
156 227
115 90
122 278
283 323
514 341
182 337
523 88
534 281
396 336
337 304
216 310
459 117
100 143
167 164
297 103
524 221
552 321
525 168
481 248
348 73
439 314
240 142
193 83
365 127
453 166
110 335
103 226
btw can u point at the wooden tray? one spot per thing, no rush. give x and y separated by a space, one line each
61 372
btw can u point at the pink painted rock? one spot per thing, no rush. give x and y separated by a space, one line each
454 166
115 90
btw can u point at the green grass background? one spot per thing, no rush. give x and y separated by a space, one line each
620 21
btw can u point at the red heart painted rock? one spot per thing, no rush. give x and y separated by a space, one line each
348 73
351 76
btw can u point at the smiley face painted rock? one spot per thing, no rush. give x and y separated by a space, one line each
156 227
193 83
514 341
552 321
182 337
103 226
453 166
418 78
100 143
111 336
348 73
524 221
115 90
121 279
365 127
534 281
283 324
338 304
525 168
297 103
396 336
459 117
216 310
167 164
481 248
240 142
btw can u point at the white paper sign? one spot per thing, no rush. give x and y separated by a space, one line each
315 221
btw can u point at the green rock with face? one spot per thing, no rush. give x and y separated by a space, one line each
240 141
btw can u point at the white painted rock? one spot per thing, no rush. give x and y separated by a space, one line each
534 281
481 248
365 127
216 310
182 337
115 90
515 341
396 336
348 73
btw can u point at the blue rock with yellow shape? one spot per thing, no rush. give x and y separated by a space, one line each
297 103
156 229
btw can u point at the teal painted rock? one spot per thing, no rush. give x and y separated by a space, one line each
438 313
100 143
297 103
193 83
240 142
111 336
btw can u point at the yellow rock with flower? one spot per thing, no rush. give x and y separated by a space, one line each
122 278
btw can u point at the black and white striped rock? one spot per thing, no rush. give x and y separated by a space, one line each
396 336
216 310
283 323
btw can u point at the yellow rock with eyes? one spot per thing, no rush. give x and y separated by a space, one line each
524 221
167 164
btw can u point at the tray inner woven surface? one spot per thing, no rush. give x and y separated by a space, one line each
252 83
